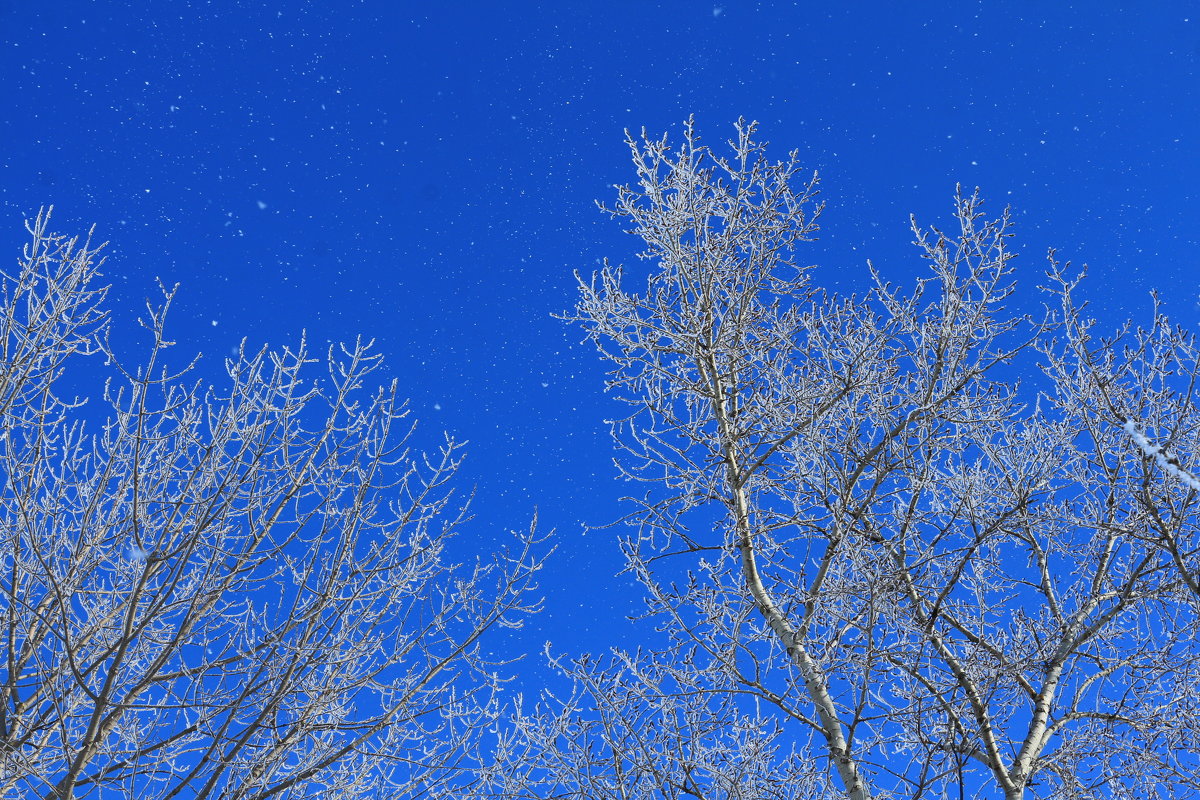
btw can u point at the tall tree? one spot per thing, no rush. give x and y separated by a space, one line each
880 565
242 592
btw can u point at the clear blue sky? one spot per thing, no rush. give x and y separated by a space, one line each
425 174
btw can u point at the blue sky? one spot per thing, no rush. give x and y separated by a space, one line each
425 174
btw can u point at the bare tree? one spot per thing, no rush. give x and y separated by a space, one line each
880 565
237 593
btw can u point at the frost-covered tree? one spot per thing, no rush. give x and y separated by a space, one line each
237 592
878 563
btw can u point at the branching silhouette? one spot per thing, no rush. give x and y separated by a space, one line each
239 592
880 564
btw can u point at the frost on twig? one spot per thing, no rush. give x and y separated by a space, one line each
227 592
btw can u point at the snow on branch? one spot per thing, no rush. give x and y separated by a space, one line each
1168 463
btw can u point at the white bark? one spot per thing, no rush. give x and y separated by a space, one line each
931 581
